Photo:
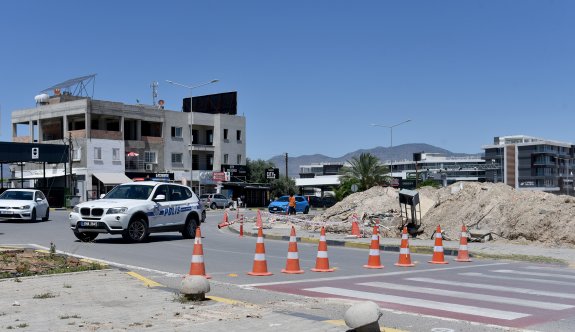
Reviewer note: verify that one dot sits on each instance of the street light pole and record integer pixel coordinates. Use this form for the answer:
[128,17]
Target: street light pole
[191,123]
[391,142]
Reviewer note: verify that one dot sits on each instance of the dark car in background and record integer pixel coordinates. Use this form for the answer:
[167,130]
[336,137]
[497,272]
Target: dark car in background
[321,202]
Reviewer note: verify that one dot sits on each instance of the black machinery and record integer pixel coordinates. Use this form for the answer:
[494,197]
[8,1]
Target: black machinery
[409,203]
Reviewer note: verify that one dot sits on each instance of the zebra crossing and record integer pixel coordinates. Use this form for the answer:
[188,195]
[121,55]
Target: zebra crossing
[517,297]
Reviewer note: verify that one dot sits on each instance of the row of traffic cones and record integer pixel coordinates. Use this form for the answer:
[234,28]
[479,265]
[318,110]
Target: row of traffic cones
[259,268]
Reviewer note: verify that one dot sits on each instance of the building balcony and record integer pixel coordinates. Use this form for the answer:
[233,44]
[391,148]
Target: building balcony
[21,139]
[153,139]
[106,134]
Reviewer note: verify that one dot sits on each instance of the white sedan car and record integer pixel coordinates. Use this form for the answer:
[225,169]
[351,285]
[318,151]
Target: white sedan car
[24,204]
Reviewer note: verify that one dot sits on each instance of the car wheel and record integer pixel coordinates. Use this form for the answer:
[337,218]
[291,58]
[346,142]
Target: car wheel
[47,216]
[189,231]
[85,237]
[33,216]
[137,230]
[306,211]
[213,206]
[204,216]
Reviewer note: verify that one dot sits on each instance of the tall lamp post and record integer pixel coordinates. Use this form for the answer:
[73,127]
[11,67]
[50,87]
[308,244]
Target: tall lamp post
[190,123]
[391,142]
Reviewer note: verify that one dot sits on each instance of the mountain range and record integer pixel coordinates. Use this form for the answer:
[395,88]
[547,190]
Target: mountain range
[396,153]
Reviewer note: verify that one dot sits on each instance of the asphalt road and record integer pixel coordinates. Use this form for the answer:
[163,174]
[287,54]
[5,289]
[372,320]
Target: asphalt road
[508,294]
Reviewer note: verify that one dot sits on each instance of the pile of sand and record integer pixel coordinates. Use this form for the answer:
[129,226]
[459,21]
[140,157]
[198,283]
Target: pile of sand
[519,216]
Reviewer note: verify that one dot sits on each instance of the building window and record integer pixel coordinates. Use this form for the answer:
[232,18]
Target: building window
[210,162]
[176,132]
[77,154]
[150,157]
[239,136]
[116,154]
[226,158]
[97,153]
[225,135]
[196,136]
[239,159]
[210,137]
[176,158]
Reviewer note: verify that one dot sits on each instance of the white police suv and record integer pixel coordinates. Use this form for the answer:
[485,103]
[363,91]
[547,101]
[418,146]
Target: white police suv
[137,209]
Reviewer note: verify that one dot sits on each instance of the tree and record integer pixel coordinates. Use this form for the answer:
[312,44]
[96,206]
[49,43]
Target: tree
[257,170]
[282,186]
[344,188]
[366,171]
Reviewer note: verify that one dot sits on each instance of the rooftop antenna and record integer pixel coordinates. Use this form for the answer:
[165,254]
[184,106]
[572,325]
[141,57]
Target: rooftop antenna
[154,87]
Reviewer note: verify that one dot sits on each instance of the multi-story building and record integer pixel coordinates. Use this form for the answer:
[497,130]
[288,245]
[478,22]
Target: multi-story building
[525,162]
[113,141]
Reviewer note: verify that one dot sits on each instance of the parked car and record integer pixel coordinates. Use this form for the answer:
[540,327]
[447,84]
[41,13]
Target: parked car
[215,201]
[281,204]
[24,204]
[321,202]
[137,209]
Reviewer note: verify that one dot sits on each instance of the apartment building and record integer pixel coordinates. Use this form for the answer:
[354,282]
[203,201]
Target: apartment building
[531,163]
[113,142]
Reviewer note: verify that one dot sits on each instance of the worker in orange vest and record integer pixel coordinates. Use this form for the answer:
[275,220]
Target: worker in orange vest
[291,209]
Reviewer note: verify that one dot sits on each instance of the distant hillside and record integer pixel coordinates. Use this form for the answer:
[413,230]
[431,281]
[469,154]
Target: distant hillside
[400,152]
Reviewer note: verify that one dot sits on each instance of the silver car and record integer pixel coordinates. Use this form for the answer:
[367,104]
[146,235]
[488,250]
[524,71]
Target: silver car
[215,201]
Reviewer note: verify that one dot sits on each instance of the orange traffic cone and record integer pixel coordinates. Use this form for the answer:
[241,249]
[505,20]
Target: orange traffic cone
[260,267]
[241,228]
[404,255]
[374,261]
[197,267]
[259,223]
[225,221]
[355,226]
[462,253]
[438,257]
[292,263]
[322,261]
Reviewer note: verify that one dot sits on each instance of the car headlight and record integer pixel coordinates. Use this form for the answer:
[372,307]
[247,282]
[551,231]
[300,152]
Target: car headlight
[118,210]
[76,209]
[25,207]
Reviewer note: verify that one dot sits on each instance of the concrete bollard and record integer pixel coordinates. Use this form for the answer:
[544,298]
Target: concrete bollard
[363,317]
[194,287]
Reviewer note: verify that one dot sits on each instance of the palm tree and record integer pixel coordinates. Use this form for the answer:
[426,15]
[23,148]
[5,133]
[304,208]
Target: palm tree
[366,170]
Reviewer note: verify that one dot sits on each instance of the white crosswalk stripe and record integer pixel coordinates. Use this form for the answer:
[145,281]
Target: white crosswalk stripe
[496,288]
[542,281]
[537,274]
[467,295]
[420,303]
[546,268]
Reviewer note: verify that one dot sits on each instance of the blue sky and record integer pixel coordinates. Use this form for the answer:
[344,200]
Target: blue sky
[312,75]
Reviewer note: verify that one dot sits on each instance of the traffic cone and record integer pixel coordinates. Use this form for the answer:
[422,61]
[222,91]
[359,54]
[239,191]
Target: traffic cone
[197,267]
[404,255]
[322,261]
[355,226]
[260,267]
[241,228]
[292,263]
[374,261]
[225,221]
[462,253]
[438,257]
[259,223]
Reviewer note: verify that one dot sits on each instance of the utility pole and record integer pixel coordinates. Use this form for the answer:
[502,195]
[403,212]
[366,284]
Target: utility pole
[70,157]
[287,165]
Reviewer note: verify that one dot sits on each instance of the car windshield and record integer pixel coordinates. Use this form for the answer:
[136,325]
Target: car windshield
[204,196]
[283,199]
[130,191]
[18,195]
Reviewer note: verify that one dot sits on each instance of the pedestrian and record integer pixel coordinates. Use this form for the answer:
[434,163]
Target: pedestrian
[291,209]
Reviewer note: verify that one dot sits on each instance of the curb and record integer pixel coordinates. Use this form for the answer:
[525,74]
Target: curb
[351,244]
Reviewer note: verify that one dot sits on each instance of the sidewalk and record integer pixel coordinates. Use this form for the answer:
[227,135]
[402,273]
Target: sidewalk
[488,249]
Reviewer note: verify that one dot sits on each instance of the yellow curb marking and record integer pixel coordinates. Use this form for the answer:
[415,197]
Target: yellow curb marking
[341,322]
[232,275]
[146,281]
[224,300]
[357,245]
[42,251]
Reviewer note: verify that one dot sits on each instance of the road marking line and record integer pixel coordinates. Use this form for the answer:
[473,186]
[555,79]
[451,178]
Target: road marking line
[420,303]
[466,295]
[543,281]
[547,268]
[537,274]
[494,287]
[147,282]
[370,275]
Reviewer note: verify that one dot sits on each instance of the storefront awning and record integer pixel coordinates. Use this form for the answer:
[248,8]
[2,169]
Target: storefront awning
[112,178]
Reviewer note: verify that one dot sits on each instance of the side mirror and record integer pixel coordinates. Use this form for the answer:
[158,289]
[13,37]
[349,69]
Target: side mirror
[160,198]
[38,199]
[102,195]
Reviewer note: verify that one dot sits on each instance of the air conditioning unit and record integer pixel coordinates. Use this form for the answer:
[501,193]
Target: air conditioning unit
[149,167]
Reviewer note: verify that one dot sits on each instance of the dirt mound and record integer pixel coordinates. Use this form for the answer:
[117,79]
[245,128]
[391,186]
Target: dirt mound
[518,216]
